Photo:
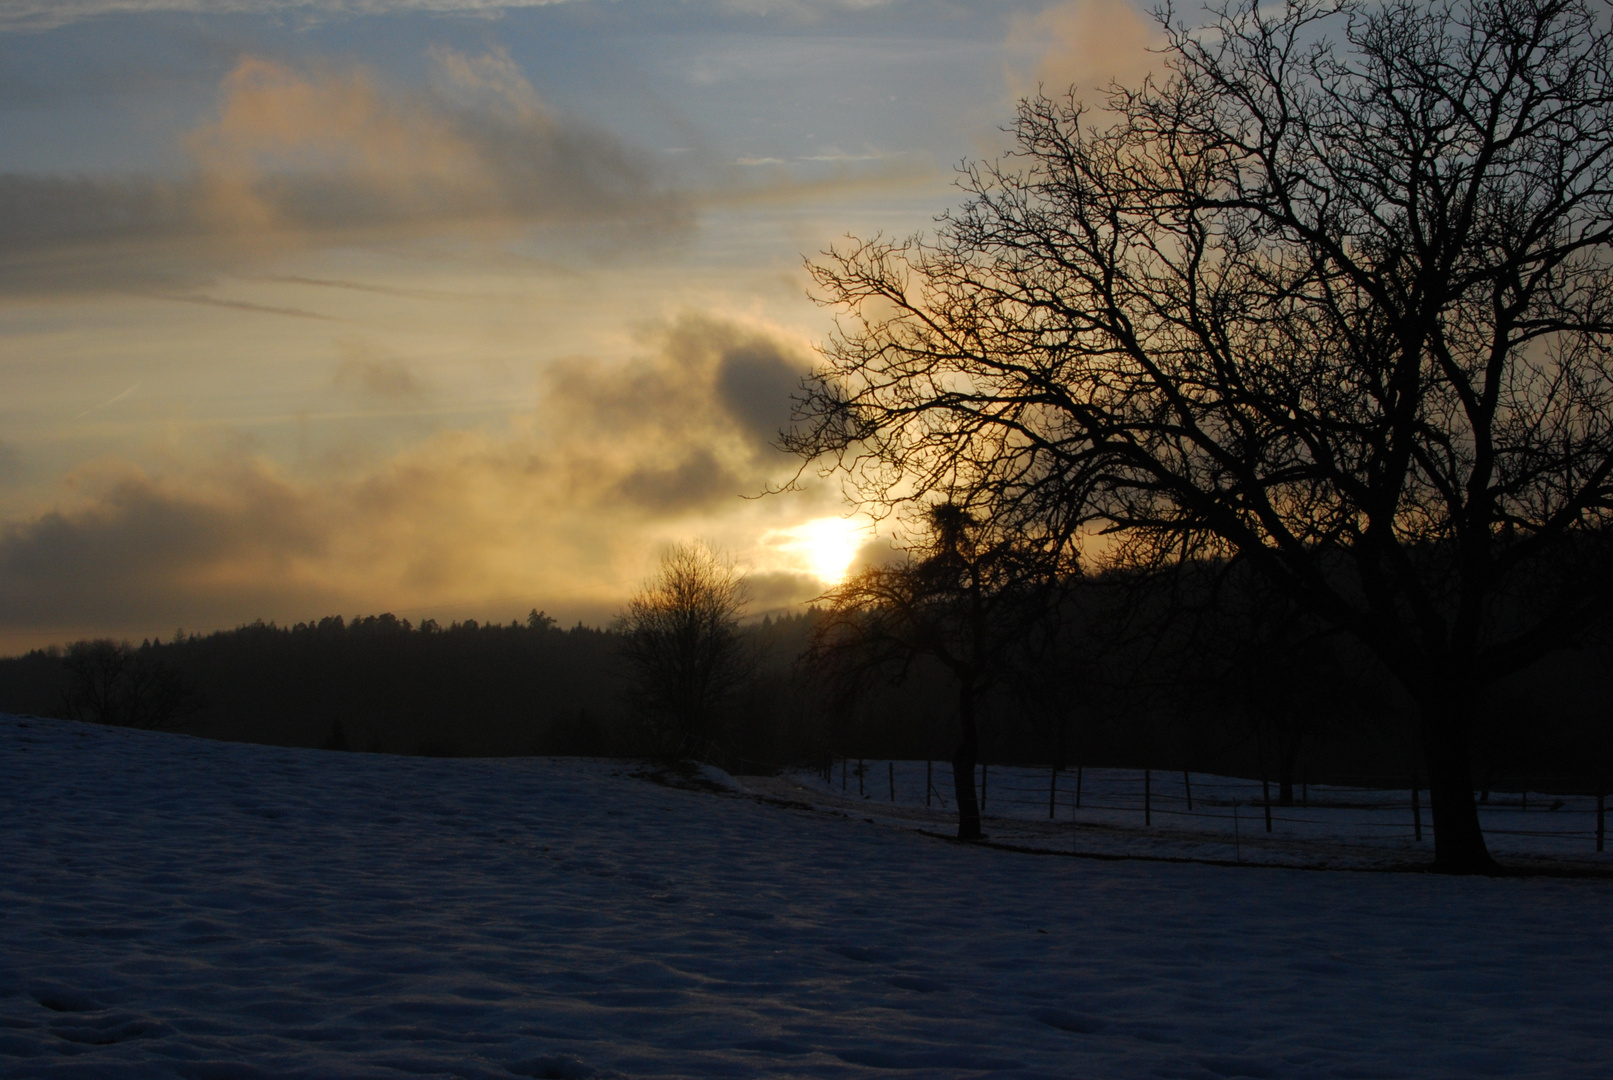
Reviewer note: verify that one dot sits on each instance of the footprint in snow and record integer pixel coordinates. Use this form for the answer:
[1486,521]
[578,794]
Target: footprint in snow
[553,1067]
[1075,1023]
[61,999]
[867,954]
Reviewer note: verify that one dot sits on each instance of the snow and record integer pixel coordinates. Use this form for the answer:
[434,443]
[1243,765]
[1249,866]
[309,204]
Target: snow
[173,907]
[1334,827]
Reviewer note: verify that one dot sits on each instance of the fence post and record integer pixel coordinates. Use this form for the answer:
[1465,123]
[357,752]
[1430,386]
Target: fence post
[1148,797]
[1187,784]
[1416,809]
[1601,816]
[861,772]
[1265,797]
[982,787]
[892,765]
[1053,793]
[929,780]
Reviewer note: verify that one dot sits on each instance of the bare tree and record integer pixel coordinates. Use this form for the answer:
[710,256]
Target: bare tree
[967,601]
[112,682]
[1333,295]
[680,637]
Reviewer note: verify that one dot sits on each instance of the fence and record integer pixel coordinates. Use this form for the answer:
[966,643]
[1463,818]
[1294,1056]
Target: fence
[1228,808]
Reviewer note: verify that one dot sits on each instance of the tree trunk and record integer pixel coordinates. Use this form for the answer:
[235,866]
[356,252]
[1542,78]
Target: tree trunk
[963,765]
[1459,846]
[1288,737]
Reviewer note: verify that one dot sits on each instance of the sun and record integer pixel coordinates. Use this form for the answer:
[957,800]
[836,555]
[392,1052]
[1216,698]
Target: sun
[827,546]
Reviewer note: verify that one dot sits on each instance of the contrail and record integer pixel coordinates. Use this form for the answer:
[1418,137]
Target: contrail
[243,305]
[108,401]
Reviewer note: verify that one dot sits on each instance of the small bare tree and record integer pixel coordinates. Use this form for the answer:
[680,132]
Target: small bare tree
[112,682]
[968,600]
[681,640]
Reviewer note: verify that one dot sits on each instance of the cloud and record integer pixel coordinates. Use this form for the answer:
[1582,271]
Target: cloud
[556,509]
[363,367]
[685,425]
[47,14]
[877,552]
[1084,44]
[459,515]
[777,589]
[308,155]
[333,149]
[12,465]
[755,380]
[696,478]
[154,551]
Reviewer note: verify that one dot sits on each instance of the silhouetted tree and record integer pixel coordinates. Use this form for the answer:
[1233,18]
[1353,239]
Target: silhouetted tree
[681,641]
[112,682]
[968,600]
[1249,649]
[1333,294]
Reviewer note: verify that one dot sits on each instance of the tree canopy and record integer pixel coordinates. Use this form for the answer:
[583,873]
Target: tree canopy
[1331,295]
[681,641]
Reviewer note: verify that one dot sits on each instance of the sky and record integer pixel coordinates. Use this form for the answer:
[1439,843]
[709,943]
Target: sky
[453,308]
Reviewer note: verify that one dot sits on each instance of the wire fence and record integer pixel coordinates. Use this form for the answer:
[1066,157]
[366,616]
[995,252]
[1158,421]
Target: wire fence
[1223,808]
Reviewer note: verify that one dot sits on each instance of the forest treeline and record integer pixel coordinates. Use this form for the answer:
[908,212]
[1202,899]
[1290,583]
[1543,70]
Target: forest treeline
[1219,687]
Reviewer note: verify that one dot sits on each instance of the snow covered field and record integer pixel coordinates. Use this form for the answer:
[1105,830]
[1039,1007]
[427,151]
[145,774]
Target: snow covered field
[171,907]
[1202,816]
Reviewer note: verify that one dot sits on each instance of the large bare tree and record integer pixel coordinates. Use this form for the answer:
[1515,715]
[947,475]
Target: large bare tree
[1333,295]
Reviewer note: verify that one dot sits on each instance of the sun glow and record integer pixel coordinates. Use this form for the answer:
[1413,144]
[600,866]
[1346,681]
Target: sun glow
[826,546]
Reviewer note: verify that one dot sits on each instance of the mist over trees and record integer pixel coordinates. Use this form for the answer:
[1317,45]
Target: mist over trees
[1331,297]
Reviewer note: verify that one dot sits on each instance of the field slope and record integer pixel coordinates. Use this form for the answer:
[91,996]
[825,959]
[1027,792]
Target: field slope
[174,907]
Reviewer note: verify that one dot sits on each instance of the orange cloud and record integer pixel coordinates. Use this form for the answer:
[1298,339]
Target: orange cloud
[276,124]
[331,148]
[1084,44]
[557,509]
[301,156]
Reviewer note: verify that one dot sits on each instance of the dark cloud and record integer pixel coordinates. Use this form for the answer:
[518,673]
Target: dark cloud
[697,480]
[461,515]
[302,156]
[876,552]
[780,589]
[143,553]
[46,211]
[756,379]
[687,425]
[705,376]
